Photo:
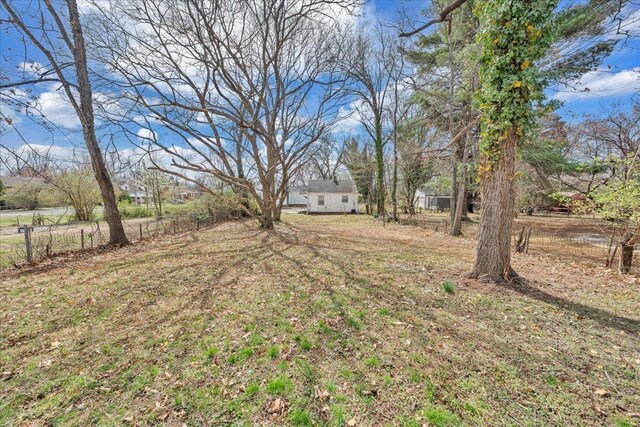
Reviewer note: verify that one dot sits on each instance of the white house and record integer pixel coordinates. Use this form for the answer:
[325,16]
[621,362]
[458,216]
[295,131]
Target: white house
[136,191]
[332,196]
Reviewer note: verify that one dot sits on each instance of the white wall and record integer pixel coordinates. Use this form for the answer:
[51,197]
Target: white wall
[332,203]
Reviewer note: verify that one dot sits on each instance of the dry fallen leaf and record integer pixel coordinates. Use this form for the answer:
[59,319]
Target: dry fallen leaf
[277,406]
[351,422]
[601,392]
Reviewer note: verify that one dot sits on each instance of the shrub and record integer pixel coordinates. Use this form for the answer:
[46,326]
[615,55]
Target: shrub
[134,211]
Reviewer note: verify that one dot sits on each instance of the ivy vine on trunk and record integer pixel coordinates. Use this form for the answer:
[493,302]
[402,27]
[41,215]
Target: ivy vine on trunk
[513,35]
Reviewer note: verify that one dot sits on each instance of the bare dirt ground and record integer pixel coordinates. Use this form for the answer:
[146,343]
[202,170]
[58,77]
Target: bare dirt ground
[325,321]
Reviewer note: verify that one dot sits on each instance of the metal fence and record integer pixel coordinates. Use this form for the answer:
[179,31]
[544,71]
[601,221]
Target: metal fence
[36,243]
[593,247]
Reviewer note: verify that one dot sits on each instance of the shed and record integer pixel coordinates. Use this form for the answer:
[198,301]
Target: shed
[332,196]
[431,200]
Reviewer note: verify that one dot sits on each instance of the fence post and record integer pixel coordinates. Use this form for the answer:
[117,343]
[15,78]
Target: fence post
[27,243]
[18,218]
[82,238]
[140,227]
[197,223]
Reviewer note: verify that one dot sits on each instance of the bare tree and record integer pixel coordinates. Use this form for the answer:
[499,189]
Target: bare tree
[201,71]
[60,40]
[372,63]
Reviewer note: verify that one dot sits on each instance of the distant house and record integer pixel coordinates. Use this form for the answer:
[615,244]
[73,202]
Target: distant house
[136,191]
[332,196]
[17,182]
[430,200]
[181,191]
[296,196]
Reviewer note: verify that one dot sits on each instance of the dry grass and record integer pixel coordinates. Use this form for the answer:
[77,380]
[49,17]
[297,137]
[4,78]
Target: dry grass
[326,321]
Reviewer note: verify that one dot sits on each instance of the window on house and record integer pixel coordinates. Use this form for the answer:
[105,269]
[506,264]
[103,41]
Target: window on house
[320,200]
[345,199]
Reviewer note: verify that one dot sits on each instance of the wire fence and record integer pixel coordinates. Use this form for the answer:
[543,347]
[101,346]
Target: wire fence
[598,248]
[33,243]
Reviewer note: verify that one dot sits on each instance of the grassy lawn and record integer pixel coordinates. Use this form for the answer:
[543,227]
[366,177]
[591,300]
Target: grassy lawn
[329,320]
[12,221]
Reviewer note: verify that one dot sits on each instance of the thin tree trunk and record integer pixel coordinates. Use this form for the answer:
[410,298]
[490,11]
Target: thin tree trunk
[111,214]
[456,225]
[454,154]
[379,169]
[493,259]
[394,188]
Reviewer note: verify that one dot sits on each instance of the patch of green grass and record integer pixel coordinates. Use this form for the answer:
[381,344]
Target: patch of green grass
[430,391]
[472,408]
[623,422]
[372,362]
[256,340]
[245,353]
[304,343]
[551,380]
[232,359]
[324,328]
[448,287]
[308,373]
[211,352]
[300,417]
[352,323]
[388,381]
[384,311]
[251,390]
[338,415]
[440,417]
[273,352]
[414,375]
[408,422]
[279,385]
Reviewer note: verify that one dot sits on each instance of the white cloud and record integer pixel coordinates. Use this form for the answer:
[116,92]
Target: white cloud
[53,152]
[146,134]
[600,84]
[56,108]
[32,67]
[8,115]
[347,120]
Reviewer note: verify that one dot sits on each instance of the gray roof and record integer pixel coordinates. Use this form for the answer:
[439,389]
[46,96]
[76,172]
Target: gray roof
[432,192]
[331,186]
[133,186]
[298,189]
[21,181]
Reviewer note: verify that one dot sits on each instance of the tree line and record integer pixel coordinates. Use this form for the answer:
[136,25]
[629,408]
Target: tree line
[253,93]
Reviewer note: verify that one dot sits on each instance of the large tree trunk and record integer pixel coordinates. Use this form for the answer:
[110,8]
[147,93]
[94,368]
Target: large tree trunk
[626,251]
[111,214]
[266,220]
[493,260]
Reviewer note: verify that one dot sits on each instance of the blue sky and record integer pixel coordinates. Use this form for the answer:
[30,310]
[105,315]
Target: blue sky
[617,80]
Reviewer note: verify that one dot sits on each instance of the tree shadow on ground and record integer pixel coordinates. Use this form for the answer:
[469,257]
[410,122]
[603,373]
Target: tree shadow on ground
[532,289]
